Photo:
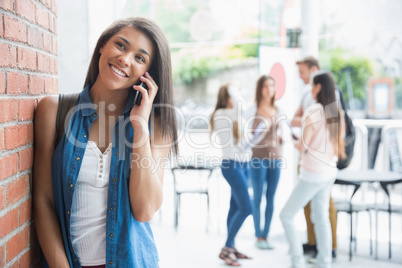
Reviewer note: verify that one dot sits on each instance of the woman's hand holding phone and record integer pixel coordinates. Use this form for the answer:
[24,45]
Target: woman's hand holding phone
[294,136]
[143,101]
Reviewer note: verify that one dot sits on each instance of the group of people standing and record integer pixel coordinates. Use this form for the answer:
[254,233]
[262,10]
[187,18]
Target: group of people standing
[320,144]
[92,202]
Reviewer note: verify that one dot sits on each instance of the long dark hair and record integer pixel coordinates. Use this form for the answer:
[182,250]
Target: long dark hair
[222,103]
[326,97]
[160,70]
[258,90]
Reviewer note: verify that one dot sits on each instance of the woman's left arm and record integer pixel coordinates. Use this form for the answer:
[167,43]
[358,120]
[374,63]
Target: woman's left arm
[146,176]
[149,156]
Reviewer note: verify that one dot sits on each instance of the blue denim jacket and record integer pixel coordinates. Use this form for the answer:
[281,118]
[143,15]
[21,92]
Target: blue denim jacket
[129,243]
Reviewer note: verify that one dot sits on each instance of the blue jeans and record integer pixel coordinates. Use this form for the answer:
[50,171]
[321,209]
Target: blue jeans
[264,171]
[319,194]
[236,174]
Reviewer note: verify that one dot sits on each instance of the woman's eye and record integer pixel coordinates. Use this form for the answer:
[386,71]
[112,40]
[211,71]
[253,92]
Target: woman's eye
[120,45]
[140,58]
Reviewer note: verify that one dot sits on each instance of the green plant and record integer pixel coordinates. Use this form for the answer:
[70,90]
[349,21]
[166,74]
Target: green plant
[247,50]
[189,68]
[398,93]
[344,66]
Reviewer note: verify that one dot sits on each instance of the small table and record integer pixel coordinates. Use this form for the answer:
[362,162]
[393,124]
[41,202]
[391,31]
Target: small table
[178,192]
[357,177]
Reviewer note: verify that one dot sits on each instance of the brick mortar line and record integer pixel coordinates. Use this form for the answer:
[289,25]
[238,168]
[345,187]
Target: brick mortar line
[23,71]
[43,5]
[23,97]
[22,45]
[10,208]
[17,230]
[14,177]
[19,255]
[6,153]
[13,151]
[15,123]
[26,21]
[19,97]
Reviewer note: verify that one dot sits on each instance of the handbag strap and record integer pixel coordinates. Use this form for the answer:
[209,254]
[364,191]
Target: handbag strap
[66,103]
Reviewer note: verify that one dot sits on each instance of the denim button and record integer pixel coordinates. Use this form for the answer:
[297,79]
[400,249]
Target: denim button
[84,135]
[78,159]
[114,180]
[117,153]
[71,185]
[110,262]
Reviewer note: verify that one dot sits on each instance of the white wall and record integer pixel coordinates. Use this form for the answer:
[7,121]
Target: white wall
[80,23]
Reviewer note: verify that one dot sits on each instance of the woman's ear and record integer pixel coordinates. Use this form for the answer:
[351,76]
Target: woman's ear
[101,48]
[318,88]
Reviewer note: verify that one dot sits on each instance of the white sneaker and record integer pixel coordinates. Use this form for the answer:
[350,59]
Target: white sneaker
[269,245]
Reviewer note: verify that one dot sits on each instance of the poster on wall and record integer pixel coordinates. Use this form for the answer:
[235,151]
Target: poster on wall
[381,97]
[280,63]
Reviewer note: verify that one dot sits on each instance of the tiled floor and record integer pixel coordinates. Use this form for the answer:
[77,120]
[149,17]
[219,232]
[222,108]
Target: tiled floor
[192,245]
[188,248]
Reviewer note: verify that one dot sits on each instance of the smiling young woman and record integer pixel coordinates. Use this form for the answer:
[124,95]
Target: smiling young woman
[92,201]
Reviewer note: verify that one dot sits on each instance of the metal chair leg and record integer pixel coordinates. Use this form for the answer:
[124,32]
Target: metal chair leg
[207,211]
[371,234]
[355,238]
[351,236]
[389,241]
[176,210]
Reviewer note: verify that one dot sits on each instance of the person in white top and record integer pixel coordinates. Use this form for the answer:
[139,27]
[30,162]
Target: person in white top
[308,67]
[320,144]
[226,127]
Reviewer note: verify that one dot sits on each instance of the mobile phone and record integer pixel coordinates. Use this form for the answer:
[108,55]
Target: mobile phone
[138,95]
[294,136]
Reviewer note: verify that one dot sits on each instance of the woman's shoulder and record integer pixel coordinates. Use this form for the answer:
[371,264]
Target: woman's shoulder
[315,113]
[45,123]
[224,111]
[46,111]
[48,103]
[314,107]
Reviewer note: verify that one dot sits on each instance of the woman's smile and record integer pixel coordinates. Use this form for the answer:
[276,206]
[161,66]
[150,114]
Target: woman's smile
[118,71]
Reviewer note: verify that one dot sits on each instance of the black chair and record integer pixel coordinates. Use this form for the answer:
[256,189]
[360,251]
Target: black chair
[178,191]
[348,207]
[389,208]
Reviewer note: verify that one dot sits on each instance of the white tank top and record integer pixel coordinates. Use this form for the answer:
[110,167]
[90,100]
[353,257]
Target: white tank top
[88,212]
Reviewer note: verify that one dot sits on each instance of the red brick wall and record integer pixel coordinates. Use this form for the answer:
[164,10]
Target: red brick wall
[28,72]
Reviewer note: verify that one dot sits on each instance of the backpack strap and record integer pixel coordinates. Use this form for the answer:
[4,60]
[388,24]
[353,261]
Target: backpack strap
[66,103]
[342,100]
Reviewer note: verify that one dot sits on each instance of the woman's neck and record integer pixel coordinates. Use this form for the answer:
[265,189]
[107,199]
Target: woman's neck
[266,108]
[110,102]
